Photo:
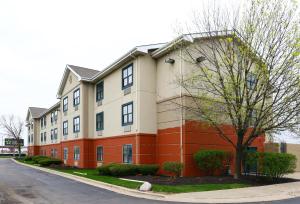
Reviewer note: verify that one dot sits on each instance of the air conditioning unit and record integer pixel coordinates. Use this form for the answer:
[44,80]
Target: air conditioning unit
[76,135]
[99,133]
[127,91]
[99,103]
[65,113]
[76,108]
[127,128]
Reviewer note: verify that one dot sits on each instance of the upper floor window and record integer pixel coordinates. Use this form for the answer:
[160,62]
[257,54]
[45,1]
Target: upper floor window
[45,121]
[45,136]
[127,76]
[76,124]
[65,128]
[100,121]
[251,81]
[55,133]
[42,137]
[65,104]
[127,153]
[127,114]
[52,135]
[76,97]
[99,153]
[99,91]
[42,122]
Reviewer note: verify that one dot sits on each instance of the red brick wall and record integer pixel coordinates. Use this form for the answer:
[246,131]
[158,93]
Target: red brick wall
[196,136]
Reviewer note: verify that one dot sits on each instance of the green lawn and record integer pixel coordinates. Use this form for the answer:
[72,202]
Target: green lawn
[93,174]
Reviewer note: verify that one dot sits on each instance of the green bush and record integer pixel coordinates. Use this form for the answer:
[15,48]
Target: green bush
[104,170]
[28,158]
[173,167]
[276,165]
[36,159]
[211,160]
[123,170]
[49,161]
[148,169]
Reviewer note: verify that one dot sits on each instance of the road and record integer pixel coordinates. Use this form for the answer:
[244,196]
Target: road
[22,185]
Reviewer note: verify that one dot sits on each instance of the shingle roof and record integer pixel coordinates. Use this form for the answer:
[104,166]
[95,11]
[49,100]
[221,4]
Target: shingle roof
[36,112]
[84,73]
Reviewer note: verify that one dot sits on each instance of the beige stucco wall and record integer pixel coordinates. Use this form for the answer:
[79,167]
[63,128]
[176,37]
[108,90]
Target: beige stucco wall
[112,103]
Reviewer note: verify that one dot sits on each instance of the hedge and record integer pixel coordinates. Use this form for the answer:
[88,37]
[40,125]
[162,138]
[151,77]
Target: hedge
[49,162]
[127,169]
[36,159]
[210,161]
[272,165]
[173,167]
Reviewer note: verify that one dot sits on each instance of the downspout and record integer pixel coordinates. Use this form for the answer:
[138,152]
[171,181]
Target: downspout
[136,112]
[181,113]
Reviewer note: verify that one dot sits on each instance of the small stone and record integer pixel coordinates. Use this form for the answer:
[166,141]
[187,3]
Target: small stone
[146,186]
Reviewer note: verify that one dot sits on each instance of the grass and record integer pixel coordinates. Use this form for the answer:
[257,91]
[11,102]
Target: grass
[93,174]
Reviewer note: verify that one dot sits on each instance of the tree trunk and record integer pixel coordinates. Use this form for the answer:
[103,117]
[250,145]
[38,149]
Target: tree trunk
[238,163]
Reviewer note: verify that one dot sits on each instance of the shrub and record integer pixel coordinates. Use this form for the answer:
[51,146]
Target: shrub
[148,169]
[28,158]
[49,161]
[36,159]
[211,160]
[104,170]
[173,167]
[276,165]
[123,170]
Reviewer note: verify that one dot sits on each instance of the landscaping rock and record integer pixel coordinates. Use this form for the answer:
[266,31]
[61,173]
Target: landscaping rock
[146,186]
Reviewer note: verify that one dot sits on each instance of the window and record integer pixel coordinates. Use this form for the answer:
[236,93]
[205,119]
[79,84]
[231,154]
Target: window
[127,114]
[76,97]
[45,136]
[99,91]
[42,137]
[42,122]
[127,76]
[65,153]
[55,115]
[99,153]
[55,134]
[65,128]
[76,124]
[127,153]
[100,121]
[52,135]
[28,138]
[54,153]
[251,81]
[31,138]
[253,118]
[45,121]
[52,117]
[76,153]
[65,104]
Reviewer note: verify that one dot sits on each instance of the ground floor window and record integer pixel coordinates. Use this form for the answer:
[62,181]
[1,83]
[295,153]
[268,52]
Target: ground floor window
[127,153]
[76,153]
[54,153]
[99,153]
[65,153]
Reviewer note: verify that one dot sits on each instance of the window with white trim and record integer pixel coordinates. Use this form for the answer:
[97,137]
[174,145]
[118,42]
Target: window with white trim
[65,104]
[65,128]
[65,153]
[100,91]
[99,153]
[127,114]
[127,153]
[76,153]
[127,76]
[76,97]
[76,124]
[99,121]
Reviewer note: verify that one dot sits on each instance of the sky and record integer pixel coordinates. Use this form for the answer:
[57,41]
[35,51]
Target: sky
[38,38]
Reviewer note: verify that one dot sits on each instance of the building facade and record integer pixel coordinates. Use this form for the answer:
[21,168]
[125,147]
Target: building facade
[124,114]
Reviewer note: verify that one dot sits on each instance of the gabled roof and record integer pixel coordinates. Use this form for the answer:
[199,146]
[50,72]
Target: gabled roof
[188,38]
[35,112]
[138,50]
[83,73]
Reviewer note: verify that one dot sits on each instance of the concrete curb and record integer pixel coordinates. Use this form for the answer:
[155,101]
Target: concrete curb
[242,195]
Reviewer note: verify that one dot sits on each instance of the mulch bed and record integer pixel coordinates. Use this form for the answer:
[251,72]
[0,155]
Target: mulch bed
[251,180]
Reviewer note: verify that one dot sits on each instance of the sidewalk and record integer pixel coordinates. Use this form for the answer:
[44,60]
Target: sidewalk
[250,194]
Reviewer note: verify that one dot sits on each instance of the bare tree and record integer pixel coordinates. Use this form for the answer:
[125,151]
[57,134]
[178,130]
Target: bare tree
[12,127]
[247,74]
